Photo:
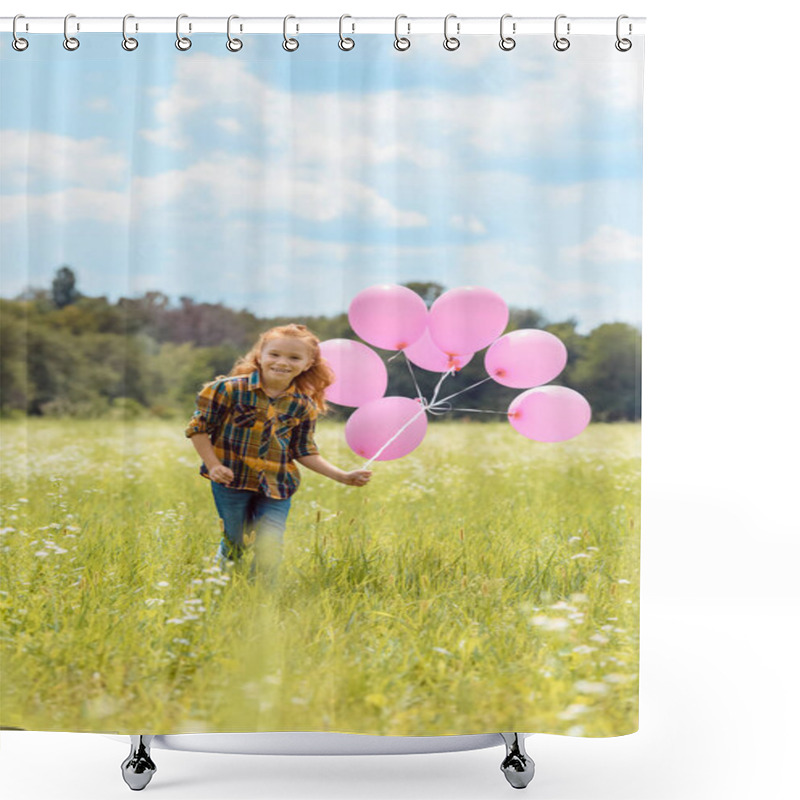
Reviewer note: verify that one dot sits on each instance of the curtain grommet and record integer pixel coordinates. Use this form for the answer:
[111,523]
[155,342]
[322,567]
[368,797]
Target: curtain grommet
[401,43]
[451,42]
[289,44]
[19,44]
[345,42]
[234,45]
[70,42]
[507,43]
[623,45]
[128,42]
[560,43]
[183,43]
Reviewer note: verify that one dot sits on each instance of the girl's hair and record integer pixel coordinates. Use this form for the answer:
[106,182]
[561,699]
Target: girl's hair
[312,382]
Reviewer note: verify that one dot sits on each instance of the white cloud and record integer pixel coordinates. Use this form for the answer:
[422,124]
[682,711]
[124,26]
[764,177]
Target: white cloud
[607,245]
[67,205]
[26,156]
[165,137]
[99,104]
[468,223]
[224,186]
[229,124]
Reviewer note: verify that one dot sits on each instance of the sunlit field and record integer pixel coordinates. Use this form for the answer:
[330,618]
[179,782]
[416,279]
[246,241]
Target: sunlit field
[483,583]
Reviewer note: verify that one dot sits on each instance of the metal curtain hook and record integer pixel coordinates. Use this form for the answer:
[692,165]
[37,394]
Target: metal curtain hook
[70,42]
[561,43]
[401,43]
[290,45]
[19,43]
[182,42]
[128,43]
[451,42]
[623,45]
[506,42]
[234,45]
[345,43]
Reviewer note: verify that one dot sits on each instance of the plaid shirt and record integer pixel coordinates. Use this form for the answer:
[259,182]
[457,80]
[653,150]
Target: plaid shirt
[255,435]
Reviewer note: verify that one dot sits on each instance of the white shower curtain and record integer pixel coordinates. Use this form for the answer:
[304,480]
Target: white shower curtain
[321,384]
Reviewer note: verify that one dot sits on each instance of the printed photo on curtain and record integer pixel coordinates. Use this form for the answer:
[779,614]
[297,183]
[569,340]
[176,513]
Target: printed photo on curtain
[320,385]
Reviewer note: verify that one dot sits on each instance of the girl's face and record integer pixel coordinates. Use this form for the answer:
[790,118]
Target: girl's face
[283,359]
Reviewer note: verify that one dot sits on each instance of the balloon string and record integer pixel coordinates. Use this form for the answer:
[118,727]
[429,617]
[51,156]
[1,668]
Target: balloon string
[413,376]
[425,407]
[464,390]
[480,411]
[367,463]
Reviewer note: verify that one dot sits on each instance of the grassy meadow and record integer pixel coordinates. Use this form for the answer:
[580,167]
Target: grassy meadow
[483,583]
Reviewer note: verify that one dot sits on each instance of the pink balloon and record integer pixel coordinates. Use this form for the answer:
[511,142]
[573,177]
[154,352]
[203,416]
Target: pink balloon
[360,374]
[372,425]
[388,316]
[424,353]
[467,319]
[549,413]
[526,358]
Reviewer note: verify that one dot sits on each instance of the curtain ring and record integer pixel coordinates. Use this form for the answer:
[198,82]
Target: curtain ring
[290,45]
[450,42]
[234,45]
[561,43]
[70,42]
[128,43]
[181,42]
[401,43]
[506,42]
[345,43]
[19,44]
[623,45]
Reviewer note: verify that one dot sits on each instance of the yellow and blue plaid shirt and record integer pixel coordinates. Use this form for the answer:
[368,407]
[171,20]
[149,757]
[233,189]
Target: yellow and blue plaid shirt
[255,435]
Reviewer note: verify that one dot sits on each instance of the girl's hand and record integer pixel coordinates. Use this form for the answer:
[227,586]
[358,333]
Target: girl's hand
[358,477]
[221,474]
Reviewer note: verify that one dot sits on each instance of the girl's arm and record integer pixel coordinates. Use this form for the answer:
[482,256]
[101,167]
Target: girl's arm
[357,477]
[216,469]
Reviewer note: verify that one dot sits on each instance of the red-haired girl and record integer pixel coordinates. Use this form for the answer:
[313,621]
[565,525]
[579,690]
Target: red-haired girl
[250,427]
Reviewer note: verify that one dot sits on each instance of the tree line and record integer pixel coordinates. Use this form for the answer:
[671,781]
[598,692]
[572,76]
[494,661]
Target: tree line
[66,354]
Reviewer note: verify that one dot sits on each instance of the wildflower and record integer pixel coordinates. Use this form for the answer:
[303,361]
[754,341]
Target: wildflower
[616,677]
[588,687]
[551,624]
[573,711]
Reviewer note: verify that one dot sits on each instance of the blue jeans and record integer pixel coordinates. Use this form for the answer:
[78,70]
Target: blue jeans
[251,519]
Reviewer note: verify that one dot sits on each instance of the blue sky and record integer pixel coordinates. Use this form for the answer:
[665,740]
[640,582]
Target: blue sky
[286,183]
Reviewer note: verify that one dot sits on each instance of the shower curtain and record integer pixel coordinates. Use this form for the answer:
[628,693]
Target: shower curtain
[321,384]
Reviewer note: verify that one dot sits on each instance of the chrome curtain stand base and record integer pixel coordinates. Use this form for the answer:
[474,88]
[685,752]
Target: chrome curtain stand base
[517,766]
[139,768]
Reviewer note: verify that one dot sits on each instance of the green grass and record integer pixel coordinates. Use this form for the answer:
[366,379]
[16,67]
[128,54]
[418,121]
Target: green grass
[483,583]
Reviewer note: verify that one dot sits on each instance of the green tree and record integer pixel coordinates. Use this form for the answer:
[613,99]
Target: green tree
[609,374]
[64,290]
[427,290]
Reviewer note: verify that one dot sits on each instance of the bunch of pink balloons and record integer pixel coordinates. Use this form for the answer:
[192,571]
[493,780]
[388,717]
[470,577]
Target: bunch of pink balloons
[460,322]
